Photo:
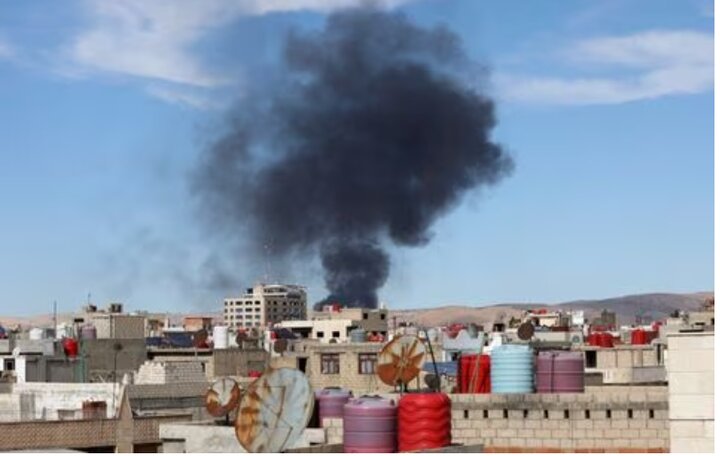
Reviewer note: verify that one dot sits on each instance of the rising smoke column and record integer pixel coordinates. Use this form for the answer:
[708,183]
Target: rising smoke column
[368,136]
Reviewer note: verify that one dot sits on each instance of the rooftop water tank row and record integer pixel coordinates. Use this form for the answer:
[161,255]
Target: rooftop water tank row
[601,339]
[370,425]
[560,372]
[642,337]
[511,369]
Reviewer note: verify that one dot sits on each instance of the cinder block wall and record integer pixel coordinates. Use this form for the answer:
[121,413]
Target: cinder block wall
[601,419]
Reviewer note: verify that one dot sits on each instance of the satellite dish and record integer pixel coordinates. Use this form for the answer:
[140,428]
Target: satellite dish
[222,397]
[280,345]
[400,360]
[200,339]
[433,382]
[274,411]
[526,331]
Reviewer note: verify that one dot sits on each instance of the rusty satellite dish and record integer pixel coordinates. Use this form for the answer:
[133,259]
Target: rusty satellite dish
[222,397]
[526,331]
[274,411]
[400,360]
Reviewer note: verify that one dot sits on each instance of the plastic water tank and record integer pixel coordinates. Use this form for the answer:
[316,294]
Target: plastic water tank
[474,374]
[358,335]
[511,369]
[88,332]
[36,333]
[220,336]
[331,402]
[70,347]
[605,340]
[560,372]
[370,425]
[424,421]
[639,337]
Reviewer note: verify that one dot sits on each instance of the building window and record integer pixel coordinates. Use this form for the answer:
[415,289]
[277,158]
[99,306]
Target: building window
[382,316]
[367,363]
[336,333]
[330,363]
[365,315]
[319,334]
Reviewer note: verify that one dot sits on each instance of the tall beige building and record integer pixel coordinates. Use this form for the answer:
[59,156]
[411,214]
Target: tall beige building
[264,304]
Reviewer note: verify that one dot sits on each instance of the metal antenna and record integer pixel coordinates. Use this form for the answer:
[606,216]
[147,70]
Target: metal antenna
[55,318]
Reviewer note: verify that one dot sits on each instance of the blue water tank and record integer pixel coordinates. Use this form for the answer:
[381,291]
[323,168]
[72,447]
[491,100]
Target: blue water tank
[511,369]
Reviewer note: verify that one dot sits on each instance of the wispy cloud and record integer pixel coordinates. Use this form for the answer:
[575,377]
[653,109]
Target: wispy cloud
[155,40]
[184,97]
[661,63]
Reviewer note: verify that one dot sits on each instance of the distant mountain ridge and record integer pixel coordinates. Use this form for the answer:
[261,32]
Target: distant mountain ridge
[650,305]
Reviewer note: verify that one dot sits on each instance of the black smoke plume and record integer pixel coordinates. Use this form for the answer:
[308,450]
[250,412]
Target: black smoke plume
[368,135]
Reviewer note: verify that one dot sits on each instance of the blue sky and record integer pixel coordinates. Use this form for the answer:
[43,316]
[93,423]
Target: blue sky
[606,107]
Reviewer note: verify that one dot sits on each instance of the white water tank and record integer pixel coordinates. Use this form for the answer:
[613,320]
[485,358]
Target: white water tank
[36,334]
[220,337]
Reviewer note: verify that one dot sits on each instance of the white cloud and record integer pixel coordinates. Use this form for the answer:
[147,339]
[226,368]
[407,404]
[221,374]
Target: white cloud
[184,97]
[155,39]
[663,63]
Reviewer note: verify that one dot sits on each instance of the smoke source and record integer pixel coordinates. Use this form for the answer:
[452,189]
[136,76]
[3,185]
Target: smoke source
[368,135]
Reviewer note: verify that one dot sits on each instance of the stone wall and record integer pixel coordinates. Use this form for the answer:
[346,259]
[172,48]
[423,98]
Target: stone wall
[162,372]
[601,419]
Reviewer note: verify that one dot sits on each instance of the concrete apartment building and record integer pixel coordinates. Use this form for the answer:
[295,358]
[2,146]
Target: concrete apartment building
[264,304]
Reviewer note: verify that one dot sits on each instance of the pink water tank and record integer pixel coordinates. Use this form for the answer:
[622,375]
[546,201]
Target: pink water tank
[331,402]
[370,425]
[560,372]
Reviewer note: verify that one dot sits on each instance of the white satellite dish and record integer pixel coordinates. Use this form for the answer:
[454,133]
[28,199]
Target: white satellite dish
[274,411]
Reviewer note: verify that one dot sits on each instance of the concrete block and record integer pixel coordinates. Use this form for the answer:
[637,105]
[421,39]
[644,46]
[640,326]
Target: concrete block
[690,361]
[560,433]
[550,443]
[516,414]
[517,442]
[506,433]
[584,424]
[691,445]
[682,343]
[595,433]
[631,433]
[486,432]
[462,424]
[691,406]
[533,443]
[532,424]
[691,428]
[585,443]
[500,442]
[657,424]
[648,433]
[619,424]
[495,414]
[612,433]
[498,424]
[691,383]
[516,424]
[525,433]
[637,424]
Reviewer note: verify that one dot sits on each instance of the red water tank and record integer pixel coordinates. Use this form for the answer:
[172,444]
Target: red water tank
[254,374]
[474,374]
[606,340]
[424,421]
[70,347]
[593,339]
[638,337]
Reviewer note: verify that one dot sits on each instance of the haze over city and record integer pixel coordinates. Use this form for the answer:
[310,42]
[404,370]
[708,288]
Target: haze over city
[108,110]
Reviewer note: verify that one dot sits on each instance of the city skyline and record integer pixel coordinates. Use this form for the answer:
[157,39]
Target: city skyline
[606,110]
